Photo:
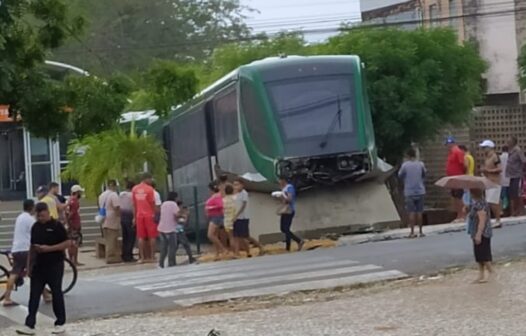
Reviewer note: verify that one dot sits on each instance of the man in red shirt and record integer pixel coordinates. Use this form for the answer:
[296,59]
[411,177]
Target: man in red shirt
[144,204]
[456,166]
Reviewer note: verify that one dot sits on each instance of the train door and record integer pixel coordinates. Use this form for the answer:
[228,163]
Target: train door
[227,151]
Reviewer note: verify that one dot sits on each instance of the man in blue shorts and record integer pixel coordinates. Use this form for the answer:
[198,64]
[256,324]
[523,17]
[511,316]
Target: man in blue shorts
[412,174]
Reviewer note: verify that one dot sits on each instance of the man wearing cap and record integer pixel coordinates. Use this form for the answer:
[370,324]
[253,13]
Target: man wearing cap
[492,170]
[74,223]
[44,196]
[456,166]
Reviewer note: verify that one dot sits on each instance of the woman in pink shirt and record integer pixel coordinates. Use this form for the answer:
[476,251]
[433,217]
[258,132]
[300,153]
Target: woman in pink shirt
[215,213]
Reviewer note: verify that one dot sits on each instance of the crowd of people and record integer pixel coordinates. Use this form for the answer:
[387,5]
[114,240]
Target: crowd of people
[139,213]
[473,206]
[227,210]
[50,228]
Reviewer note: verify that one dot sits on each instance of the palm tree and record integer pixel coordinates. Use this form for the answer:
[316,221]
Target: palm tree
[114,154]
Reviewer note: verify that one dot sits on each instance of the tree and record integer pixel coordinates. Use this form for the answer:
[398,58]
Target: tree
[125,35]
[96,103]
[522,68]
[418,82]
[28,30]
[113,154]
[168,84]
[231,56]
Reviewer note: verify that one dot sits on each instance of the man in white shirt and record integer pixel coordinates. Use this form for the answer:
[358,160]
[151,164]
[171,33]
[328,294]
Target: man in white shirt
[20,249]
[158,203]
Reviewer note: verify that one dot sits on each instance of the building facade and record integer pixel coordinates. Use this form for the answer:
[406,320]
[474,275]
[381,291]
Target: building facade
[498,29]
[27,162]
[402,14]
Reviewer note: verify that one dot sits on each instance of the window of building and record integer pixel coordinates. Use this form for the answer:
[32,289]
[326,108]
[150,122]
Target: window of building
[226,130]
[433,15]
[453,13]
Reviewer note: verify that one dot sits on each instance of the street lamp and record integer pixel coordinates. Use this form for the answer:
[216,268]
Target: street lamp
[68,66]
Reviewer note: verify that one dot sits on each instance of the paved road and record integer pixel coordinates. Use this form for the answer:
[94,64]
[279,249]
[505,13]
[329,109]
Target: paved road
[185,285]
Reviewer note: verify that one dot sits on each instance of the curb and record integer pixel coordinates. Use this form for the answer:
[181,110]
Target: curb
[378,237]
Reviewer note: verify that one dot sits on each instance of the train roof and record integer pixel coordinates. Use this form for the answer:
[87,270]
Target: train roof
[262,64]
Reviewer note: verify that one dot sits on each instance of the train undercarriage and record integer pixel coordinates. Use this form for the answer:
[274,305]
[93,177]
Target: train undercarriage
[324,170]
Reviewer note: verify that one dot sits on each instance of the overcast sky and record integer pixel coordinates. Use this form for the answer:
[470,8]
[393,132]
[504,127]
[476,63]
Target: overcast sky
[276,15]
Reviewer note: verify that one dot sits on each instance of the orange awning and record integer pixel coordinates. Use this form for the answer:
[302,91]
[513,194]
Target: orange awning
[4,114]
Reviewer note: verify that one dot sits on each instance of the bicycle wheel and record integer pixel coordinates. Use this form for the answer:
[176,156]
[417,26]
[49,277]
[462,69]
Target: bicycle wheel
[70,277]
[4,276]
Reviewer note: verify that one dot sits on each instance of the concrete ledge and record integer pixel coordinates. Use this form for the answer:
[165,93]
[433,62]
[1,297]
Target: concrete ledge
[271,238]
[429,230]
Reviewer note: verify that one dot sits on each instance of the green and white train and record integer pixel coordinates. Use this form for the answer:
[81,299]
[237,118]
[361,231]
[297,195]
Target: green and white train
[304,117]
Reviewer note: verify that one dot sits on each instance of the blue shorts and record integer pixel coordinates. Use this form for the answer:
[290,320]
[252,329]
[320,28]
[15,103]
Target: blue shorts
[466,198]
[414,204]
[217,220]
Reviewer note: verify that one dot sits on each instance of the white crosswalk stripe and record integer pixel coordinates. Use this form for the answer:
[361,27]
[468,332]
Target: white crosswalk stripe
[270,275]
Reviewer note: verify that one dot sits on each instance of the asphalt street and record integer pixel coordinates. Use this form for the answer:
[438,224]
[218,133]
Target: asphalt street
[147,291]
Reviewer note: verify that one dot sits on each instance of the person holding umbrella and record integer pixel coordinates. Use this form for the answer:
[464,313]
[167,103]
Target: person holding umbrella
[480,230]
[479,220]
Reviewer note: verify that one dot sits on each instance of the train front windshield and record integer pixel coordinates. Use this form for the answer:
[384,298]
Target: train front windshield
[314,111]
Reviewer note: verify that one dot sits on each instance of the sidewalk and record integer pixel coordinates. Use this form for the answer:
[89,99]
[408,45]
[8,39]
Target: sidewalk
[441,306]
[429,230]
[95,266]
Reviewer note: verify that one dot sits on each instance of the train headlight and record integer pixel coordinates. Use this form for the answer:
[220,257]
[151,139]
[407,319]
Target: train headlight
[345,162]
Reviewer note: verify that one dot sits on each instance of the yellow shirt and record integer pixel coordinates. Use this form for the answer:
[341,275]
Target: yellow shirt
[471,164]
[229,208]
[52,206]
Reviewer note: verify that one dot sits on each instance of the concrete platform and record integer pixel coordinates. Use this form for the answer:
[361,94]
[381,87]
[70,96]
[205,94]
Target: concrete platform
[361,207]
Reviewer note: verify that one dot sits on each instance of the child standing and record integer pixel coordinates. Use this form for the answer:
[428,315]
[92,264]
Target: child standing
[242,220]
[229,205]
[182,239]
[74,223]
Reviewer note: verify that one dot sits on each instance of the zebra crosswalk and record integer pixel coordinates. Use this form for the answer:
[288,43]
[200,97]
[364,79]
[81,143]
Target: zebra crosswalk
[269,275]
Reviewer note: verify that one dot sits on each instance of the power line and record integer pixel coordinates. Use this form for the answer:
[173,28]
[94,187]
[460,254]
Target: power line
[312,31]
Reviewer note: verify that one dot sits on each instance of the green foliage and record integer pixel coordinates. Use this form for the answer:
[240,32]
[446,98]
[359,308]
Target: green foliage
[126,35]
[418,82]
[28,30]
[113,154]
[168,84]
[522,67]
[96,103]
[231,56]
[42,105]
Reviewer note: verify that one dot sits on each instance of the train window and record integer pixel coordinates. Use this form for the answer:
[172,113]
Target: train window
[225,119]
[320,105]
[255,119]
[188,135]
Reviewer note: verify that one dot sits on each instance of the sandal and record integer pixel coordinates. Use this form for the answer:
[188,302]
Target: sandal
[9,304]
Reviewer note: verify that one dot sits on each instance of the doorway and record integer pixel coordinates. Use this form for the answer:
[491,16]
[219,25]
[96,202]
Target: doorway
[12,164]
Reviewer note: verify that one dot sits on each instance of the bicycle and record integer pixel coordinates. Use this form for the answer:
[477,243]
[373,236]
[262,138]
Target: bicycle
[68,282]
